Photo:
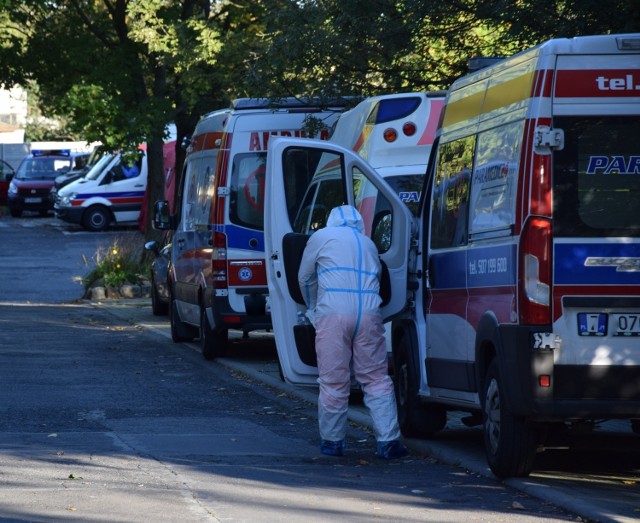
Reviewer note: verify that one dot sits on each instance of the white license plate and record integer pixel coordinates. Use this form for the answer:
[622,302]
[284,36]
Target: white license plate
[33,200]
[625,324]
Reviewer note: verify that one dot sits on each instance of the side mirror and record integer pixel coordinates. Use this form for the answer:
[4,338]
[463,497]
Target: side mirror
[161,216]
[152,246]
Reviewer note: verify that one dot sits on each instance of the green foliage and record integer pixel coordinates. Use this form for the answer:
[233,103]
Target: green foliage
[117,264]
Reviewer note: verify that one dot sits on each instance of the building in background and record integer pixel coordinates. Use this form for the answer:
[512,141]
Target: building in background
[13,115]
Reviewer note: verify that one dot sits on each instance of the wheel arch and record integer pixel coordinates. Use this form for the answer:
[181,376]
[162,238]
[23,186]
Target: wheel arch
[487,347]
[406,329]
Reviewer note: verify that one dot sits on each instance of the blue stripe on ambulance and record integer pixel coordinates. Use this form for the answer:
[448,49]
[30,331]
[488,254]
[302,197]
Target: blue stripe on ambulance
[122,194]
[243,238]
[597,263]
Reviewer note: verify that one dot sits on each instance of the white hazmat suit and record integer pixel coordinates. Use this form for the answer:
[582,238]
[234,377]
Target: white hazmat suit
[339,278]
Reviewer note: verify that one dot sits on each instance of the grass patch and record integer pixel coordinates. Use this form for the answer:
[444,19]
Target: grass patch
[120,263]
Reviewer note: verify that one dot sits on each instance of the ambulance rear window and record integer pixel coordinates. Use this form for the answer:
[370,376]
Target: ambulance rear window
[596,177]
[247,190]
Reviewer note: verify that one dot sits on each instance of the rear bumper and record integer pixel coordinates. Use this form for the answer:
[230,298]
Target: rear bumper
[575,391]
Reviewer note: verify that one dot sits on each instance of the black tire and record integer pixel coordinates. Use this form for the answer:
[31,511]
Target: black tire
[180,331]
[510,443]
[214,341]
[416,419]
[96,218]
[15,213]
[158,307]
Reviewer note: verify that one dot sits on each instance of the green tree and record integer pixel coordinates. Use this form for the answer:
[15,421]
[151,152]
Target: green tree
[120,70]
[368,47]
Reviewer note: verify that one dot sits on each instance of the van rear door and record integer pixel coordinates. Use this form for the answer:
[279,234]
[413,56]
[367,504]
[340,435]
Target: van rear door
[596,226]
[305,180]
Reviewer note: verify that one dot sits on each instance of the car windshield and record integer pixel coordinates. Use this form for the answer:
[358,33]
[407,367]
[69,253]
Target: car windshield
[43,168]
[97,169]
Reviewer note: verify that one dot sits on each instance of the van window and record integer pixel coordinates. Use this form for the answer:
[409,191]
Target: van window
[375,210]
[247,190]
[408,188]
[451,193]
[596,177]
[190,202]
[204,191]
[495,179]
[313,186]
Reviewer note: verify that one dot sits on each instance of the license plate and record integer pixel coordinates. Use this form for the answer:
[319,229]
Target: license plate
[33,200]
[592,324]
[625,324]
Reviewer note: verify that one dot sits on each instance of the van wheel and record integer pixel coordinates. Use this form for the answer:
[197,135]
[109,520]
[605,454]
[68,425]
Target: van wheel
[180,331]
[510,443]
[96,219]
[16,213]
[214,341]
[415,418]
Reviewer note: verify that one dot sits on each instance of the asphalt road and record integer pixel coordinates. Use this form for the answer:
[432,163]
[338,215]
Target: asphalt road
[103,418]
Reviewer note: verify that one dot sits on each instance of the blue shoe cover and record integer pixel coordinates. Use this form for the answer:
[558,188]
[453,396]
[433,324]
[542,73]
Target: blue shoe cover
[391,450]
[332,448]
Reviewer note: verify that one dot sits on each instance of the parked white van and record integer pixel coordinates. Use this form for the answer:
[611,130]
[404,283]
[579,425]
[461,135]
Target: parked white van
[514,294]
[394,133]
[111,193]
[217,277]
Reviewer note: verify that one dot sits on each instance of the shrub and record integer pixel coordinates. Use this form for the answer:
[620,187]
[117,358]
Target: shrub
[117,264]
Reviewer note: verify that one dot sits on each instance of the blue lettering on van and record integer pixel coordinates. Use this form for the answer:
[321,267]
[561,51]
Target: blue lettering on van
[613,164]
[409,196]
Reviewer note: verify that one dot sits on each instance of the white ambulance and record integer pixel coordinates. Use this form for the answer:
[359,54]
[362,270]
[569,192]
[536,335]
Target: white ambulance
[217,277]
[515,294]
[394,133]
[111,193]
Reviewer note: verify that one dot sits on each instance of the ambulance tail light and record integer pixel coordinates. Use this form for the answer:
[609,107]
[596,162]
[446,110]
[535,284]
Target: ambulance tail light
[409,129]
[535,272]
[390,135]
[219,260]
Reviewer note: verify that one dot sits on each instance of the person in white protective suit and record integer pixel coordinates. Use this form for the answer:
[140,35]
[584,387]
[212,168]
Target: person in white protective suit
[339,278]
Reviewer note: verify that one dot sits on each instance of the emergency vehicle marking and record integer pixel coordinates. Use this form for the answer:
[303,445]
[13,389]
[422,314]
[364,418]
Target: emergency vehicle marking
[409,196]
[499,96]
[119,197]
[240,238]
[259,141]
[245,274]
[597,83]
[616,164]
[604,263]
[429,133]
[491,266]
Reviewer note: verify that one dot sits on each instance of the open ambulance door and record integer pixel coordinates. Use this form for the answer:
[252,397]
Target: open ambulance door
[305,180]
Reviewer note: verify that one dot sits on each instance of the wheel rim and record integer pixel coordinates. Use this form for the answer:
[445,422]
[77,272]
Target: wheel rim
[492,416]
[97,220]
